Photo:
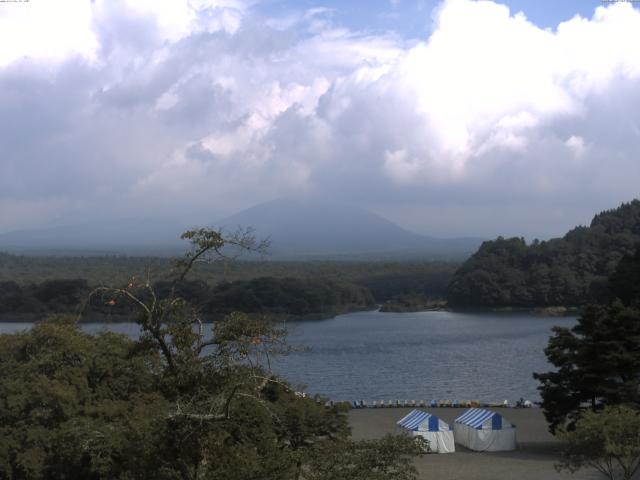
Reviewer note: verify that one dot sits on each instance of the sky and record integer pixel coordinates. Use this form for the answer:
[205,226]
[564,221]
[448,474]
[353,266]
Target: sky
[450,118]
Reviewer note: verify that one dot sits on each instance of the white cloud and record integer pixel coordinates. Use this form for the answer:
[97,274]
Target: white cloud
[400,167]
[184,102]
[576,146]
[488,80]
[43,30]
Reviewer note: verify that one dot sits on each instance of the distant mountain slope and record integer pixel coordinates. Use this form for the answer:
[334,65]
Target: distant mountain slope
[133,236]
[569,271]
[298,229]
[303,228]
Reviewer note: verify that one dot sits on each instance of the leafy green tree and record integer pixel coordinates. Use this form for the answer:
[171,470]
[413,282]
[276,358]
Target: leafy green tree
[187,401]
[74,405]
[608,441]
[388,458]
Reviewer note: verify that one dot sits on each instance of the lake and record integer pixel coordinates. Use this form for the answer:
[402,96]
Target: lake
[424,355]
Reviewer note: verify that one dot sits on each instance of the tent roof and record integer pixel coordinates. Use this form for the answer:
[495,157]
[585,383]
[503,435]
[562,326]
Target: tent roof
[475,418]
[415,418]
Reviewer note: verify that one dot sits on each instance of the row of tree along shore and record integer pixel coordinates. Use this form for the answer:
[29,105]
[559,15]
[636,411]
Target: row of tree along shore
[31,287]
[282,297]
[555,277]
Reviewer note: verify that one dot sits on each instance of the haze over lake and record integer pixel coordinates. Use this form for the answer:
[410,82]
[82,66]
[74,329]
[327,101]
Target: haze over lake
[424,355]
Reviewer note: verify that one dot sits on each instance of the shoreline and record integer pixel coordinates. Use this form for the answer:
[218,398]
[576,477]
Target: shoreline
[33,317]
[424,404]
[96,317]
[552,311]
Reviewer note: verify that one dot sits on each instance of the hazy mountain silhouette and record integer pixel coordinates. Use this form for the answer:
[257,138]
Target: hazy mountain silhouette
[297,228]
[306,228]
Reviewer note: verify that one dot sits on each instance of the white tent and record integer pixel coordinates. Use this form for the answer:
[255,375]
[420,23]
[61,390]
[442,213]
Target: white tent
[431,428]
[484,431]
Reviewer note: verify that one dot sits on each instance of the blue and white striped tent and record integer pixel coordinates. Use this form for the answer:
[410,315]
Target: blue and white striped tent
[484,430]
[479,418]
[430,427]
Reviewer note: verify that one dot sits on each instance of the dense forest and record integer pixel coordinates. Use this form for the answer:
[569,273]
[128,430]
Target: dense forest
[567,271]
[385,279]
[264,295]
[275,296]
[36,286]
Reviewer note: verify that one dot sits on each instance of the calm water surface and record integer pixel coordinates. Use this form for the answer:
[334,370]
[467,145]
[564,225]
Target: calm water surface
[425,355]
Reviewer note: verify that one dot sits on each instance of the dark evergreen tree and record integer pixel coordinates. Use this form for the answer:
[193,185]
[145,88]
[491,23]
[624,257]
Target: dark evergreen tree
[625,281]
[598,360]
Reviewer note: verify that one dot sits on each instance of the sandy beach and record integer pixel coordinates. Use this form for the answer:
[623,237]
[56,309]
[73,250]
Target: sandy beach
[533,460]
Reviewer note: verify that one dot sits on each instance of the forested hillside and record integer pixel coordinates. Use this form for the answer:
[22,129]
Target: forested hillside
[568,271]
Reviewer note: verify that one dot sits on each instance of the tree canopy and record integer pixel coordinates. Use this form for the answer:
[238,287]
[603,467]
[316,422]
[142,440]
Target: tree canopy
[265,295]
[607,441]
[188,400]
[598,360]
[568,271]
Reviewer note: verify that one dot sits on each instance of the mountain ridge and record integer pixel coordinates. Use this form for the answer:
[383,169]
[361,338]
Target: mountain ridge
[337,229]
[298,229]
